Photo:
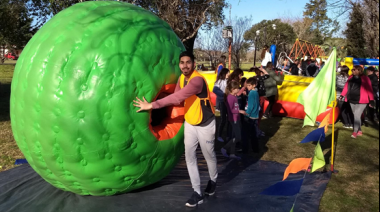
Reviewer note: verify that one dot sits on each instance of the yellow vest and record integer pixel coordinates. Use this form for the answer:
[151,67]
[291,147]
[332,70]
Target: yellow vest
[193,108]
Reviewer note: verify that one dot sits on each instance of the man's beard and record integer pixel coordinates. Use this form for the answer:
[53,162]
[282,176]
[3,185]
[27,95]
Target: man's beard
[186,72]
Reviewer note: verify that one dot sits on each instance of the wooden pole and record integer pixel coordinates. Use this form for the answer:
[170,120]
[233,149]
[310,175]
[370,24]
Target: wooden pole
[230,53]
[254,59]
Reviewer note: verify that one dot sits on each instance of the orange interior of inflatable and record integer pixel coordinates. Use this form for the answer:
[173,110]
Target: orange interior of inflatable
[172,123]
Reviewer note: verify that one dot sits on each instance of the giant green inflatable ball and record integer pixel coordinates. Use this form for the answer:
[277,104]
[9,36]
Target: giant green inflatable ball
[72,98]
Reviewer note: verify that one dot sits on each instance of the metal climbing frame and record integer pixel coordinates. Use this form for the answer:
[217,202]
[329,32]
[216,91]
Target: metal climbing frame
[304,48]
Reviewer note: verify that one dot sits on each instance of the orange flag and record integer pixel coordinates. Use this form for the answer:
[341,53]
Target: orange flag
[326,122]
[296,166]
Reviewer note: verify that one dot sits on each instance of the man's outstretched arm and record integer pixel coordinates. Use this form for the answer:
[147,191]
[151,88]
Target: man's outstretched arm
[194,87]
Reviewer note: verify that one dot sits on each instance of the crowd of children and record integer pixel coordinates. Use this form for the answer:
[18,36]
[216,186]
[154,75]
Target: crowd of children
[241,103]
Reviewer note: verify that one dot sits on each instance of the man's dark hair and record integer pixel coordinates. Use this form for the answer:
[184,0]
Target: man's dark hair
[187,54]
[252,81]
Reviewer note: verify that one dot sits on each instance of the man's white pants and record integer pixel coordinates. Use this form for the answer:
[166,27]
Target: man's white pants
[205,137]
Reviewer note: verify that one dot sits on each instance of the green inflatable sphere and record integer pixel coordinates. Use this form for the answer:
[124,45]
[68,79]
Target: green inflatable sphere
[72,98]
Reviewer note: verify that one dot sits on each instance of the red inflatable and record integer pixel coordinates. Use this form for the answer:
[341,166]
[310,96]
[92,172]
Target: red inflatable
[292,110]
[296,110]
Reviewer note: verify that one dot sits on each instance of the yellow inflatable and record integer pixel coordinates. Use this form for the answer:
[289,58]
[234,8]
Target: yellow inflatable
[288,91]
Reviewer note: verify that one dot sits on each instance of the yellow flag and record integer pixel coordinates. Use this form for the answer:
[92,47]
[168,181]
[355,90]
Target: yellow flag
[326,122]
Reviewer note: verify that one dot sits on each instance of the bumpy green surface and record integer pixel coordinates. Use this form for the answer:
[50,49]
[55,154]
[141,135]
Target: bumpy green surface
[71,103]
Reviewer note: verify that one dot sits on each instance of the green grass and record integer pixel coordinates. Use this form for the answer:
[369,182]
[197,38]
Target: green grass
[355,188]
[10,61]
[6,73]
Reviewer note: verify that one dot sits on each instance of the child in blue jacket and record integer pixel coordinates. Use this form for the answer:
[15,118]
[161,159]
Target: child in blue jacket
[252,113]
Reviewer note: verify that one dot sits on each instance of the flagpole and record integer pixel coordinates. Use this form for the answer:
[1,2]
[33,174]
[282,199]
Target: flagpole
[333,135]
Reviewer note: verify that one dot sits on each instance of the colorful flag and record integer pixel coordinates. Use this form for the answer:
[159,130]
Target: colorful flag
[284,188]
[319,159]
[320,93]
[296,166]
[316,135]
[326,122]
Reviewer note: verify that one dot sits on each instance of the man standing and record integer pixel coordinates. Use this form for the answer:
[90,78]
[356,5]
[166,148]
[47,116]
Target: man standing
[305,64]
[312,70]
[199,123]
[294,70]
[221,65]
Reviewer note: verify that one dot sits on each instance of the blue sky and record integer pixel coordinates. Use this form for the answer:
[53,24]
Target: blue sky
[266,9]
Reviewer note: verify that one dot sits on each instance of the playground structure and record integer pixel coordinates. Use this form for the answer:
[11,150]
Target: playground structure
[300,49]
[303,48]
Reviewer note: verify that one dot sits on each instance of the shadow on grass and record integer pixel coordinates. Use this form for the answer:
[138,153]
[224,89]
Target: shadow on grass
[363,159]
[5,94]
[327,144]
[372,124]
[269,126]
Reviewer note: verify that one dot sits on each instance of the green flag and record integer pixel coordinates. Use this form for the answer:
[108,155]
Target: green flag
[319,158]
[320,93]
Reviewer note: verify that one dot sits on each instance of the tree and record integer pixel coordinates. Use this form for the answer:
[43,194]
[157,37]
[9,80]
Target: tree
[370,12]
[371,28]
[339,43]
[301,26]
[15,24]
[355,33]
[323,27]
[185,17]
[282,36]
[240,46]
[212,44]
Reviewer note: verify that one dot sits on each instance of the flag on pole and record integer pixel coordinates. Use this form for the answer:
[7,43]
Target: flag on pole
[296,166]
[319,159]
[316,135]
[320,93]
[326,122]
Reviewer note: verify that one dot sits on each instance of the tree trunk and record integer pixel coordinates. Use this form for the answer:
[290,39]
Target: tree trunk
[189,44]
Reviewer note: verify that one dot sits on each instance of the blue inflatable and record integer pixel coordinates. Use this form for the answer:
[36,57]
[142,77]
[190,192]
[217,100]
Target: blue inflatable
[273,49]
[366,62]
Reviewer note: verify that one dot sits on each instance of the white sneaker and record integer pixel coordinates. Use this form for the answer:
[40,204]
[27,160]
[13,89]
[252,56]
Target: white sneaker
[220,139]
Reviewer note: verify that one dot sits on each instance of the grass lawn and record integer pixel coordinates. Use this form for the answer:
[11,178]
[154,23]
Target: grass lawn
[10,61]
[355,188]
[6,73]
